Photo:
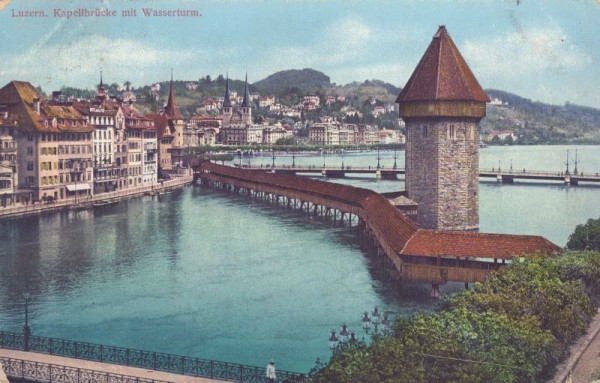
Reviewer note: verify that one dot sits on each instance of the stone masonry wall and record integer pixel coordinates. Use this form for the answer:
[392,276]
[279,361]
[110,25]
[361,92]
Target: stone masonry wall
[442,171]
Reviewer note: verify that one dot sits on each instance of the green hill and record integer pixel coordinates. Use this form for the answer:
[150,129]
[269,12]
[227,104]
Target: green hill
[304,80]
[536,122]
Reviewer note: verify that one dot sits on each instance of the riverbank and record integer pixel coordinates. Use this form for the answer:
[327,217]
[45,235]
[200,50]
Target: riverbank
[81,203]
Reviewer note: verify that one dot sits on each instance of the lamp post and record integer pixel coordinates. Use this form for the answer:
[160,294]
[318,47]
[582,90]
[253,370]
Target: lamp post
[333,340]
[345,338]
[323,158]
[273,156]
[26,329]
[293,160]
[342,159]
[567,163]
[372,325]
[378,158]
[395,157]
[575,163]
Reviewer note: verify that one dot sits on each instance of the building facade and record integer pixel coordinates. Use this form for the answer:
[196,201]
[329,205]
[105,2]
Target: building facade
[8,159]
[55,147]
[442,104]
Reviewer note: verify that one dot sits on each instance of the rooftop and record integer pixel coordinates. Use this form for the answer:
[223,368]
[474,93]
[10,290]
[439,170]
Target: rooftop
[442,75]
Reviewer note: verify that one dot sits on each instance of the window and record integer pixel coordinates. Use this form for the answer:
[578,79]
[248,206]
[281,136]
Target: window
[30,150]
[30,165]
[452,132]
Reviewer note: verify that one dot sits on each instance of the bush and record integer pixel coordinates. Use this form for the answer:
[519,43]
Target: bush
[515,327]
[586,237]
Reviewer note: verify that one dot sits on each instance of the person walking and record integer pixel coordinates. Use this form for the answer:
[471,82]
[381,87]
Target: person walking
[271,372]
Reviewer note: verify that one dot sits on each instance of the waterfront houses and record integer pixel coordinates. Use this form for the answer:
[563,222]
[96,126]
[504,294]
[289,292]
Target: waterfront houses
[331,132]
[136,127]
[55,155]
[8,159]
[106,119]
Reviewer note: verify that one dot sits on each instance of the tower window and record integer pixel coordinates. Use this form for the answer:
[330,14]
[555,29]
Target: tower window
[452,132]
[425,131]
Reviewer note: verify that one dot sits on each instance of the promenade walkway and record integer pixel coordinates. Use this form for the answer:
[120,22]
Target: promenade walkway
[85,202]
[584,357]
[103,367]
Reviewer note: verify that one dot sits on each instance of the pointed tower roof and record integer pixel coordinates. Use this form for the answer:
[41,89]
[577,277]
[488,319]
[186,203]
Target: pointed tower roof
[227,101]
[171,110]
[442,75]
[101,93]
[246,102]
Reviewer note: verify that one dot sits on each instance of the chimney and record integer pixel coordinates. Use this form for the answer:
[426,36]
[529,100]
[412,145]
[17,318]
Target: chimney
[36,105]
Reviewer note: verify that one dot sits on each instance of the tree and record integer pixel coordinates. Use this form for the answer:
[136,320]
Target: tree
[586,237]
[286,141]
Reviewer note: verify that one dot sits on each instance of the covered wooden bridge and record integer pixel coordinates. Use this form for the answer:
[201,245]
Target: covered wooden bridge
[411,253]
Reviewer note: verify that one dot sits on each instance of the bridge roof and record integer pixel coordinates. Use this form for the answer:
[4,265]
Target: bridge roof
[399,232]
[433,243]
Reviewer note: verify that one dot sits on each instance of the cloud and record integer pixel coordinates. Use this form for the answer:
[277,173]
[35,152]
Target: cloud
[344,50]
[76,62]
[340,42]
[524,52]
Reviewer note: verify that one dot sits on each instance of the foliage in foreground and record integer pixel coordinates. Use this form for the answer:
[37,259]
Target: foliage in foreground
[515,327]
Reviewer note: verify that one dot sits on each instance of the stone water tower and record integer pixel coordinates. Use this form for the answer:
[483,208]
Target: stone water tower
[442,104]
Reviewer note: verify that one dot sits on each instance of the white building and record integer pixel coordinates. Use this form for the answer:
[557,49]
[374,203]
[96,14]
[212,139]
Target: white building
[150,156]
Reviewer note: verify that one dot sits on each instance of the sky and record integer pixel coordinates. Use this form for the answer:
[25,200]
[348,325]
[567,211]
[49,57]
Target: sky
[545,50]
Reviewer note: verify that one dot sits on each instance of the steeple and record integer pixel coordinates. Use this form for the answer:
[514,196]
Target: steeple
[246,108]
[227,101]
[246,102]
[171,110]
[101,93]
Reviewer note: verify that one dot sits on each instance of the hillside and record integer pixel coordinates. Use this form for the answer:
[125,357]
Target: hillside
[532,121]
[536,122]
[304,80]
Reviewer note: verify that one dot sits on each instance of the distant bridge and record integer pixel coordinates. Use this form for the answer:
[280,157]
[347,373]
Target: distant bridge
[409,252]
[504,176]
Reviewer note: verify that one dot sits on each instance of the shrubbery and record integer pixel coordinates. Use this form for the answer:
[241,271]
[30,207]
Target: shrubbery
[515,327]
[586,237]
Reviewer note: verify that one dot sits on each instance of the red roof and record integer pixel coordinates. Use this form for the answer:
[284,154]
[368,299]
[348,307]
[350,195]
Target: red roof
[442,75]
[160,124]
[433,243]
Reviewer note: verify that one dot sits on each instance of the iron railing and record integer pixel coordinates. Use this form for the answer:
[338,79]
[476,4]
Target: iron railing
[52,373]
[158,361]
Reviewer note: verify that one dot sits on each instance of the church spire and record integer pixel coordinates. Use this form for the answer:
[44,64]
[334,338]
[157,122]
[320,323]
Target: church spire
[246,102]
[227,101]
[101,93]
[171,109]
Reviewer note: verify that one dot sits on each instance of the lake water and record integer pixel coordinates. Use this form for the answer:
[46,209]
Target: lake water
[202,273]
